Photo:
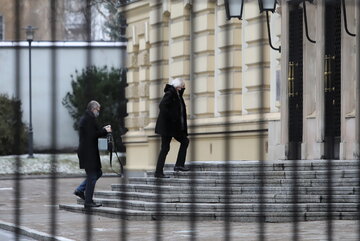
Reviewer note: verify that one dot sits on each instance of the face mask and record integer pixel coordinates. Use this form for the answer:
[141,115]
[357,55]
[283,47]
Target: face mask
[96,113]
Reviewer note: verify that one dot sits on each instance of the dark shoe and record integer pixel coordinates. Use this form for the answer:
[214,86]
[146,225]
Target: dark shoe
[92,205]
[160,175]
[181,169]
[80,194]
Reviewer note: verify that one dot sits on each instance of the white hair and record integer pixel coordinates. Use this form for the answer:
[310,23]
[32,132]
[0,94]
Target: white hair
[177,82]
[92,105]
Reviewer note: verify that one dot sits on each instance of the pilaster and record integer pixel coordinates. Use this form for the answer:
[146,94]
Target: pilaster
[357,82]
[284,99]
[203,65]
[309,149]
[132,95]
[256,61]
[348,84]
[228,61]
[159,56]
[319,150]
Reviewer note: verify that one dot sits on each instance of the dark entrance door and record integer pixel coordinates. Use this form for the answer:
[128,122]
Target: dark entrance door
[295,80]
[332,85]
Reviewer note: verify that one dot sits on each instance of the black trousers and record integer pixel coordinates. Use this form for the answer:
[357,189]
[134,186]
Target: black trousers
[91,177]
[165,147]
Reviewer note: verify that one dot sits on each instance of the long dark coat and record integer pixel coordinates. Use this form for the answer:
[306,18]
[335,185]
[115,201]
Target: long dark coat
[172,107]
[88,151]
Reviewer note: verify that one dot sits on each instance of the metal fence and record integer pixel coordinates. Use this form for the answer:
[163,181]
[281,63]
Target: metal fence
[193,221]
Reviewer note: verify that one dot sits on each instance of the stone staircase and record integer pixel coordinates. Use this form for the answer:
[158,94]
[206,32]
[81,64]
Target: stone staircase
[216,191]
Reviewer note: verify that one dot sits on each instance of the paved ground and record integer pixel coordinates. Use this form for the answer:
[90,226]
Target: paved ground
[8,236]
[35,209]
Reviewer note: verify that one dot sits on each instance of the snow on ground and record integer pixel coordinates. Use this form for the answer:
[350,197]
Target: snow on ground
[41,164]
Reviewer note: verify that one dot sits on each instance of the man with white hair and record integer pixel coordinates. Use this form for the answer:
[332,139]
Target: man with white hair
[171,123]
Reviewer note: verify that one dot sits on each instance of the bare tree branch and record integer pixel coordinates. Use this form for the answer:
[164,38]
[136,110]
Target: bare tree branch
[109,10]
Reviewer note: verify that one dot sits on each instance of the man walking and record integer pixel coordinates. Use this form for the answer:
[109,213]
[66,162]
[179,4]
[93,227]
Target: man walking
[171,123]
[88,152]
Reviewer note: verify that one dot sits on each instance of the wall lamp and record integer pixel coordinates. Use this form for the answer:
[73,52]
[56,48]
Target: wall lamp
[345,19]
[305,21]
[234,9]
[268,5]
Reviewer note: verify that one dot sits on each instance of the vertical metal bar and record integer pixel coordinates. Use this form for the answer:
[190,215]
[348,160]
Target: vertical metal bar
[295,200]
[53,118]
[89,87]
[329,225]
[123,205]
[159,69]
[357,79]
[17,179]
[30,107]
[262,65]
[226,147]
[122,180]
[295,218]
[193,182]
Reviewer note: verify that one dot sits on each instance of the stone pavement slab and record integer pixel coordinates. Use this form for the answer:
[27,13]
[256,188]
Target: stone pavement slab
[35,214]
[9,236]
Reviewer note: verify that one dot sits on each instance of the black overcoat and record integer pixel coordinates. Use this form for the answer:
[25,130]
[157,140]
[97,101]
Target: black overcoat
[88,150]
[172,107]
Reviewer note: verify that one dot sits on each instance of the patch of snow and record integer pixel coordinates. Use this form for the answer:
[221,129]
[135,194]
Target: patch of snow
[44,163]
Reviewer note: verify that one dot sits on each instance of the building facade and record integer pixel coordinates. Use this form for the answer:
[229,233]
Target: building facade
[228,68]
[245,100]
[319,82]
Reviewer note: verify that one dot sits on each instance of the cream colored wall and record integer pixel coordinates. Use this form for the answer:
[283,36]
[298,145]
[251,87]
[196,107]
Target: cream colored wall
[223,84]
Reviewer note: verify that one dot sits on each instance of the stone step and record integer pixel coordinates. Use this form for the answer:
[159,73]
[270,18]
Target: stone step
[315,174]
[283,165]
[208,216]
[183,197]
[221,198]
[233,190]
[240,183]
[221,207]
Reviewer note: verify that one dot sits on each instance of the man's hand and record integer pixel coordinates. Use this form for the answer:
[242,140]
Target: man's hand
[107,128]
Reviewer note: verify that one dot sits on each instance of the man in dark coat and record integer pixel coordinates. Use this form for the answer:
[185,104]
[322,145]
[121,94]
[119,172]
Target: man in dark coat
[88,152]
[171,123]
